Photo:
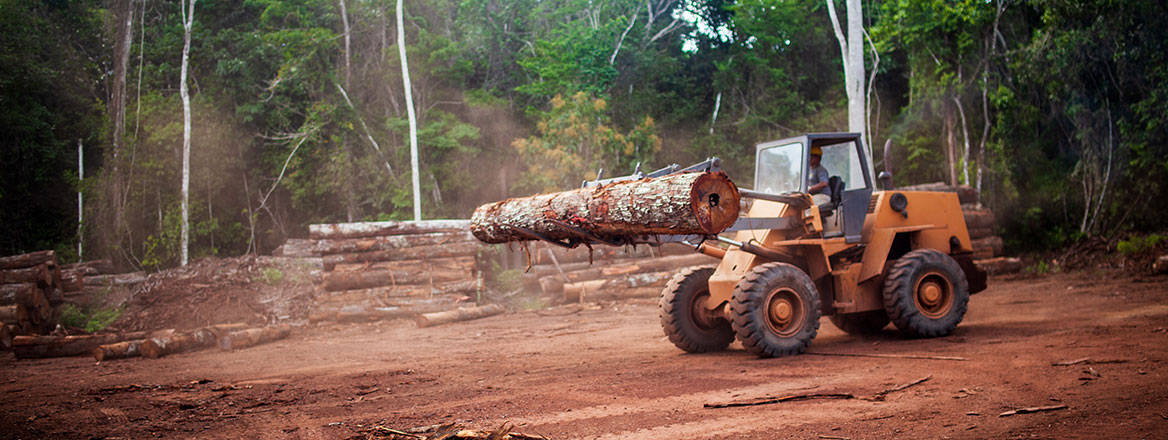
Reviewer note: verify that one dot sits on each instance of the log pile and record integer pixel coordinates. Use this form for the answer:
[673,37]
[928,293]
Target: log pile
[156,344]
[31,286]
[378,270]
[612,273]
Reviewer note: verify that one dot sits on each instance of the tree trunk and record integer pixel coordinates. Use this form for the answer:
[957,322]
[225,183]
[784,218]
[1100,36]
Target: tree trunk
[252,337]
[121,279]
[188,18]
[688,203]
[15,315]
[28,347]
[414,170]
[414,253]
[584,290]
[37,274]
[377,229]
[160,346]
[462,314]
[336,281]
[438,264]
[28,260]
[385,293]
[332,247]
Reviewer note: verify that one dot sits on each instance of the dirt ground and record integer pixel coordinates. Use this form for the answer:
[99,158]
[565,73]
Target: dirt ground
[608,372]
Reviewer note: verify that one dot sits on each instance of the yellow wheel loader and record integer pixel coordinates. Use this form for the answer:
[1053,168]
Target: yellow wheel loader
[860,256]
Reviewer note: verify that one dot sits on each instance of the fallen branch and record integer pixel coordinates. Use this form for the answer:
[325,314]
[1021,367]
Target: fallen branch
[880,395]
[1032,409]
[780,399]
[1087,361]
[891,356]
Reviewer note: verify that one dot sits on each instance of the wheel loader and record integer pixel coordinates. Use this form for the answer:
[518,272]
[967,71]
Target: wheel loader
[861,257]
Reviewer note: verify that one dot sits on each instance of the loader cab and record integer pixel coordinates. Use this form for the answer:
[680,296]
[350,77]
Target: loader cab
[781,167]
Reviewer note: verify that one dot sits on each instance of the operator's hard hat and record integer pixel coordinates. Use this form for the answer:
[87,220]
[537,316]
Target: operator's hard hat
[816,151]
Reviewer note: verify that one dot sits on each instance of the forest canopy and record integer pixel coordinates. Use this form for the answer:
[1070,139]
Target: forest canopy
[1053,109]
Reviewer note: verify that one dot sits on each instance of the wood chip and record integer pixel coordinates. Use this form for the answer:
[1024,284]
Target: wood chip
[1033,409]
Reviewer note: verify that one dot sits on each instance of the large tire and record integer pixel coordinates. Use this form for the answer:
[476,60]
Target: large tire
[863,323]
[775,310]
[925,293]
[687,326]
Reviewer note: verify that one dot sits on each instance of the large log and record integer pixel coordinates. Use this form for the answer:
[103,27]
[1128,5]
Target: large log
[336,281]
[987,247]
[93,267]
[1000,265]
[125,349]
[73,280]
[162,345]
[28,260]
[39,274]
[687,203]
[436,264]
[251,337]
[121,279]
[462,249]
[982,218]
[965,194]
[585,289]
[389,294]
[377,229]
[27,347]
[461,314]
[351,245]
[31,296]
[18,317]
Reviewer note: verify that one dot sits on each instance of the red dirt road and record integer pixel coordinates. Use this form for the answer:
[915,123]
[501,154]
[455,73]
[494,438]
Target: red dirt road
[611,374]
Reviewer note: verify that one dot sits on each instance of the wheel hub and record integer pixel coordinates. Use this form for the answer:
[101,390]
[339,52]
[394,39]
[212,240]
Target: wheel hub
[784,312]
[933,295]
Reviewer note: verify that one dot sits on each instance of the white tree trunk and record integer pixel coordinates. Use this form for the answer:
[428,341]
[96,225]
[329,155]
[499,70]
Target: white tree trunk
[345,23]
[188,21]
[401,49]
[852,57]
[80,201]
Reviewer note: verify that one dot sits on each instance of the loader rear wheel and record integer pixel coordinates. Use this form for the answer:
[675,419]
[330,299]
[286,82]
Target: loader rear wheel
[863,323]
[687,324]
[925,293]
[775,310]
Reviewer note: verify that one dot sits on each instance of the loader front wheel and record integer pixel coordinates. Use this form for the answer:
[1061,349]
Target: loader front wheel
[775,310]
[925,293]
[686,322]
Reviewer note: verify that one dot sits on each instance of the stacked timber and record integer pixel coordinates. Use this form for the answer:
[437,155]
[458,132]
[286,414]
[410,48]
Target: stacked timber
[377,270]
[31,285]
[607,273]
[979,220]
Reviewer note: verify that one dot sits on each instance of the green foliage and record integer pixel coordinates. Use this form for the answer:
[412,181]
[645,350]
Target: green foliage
[576,138]
[92,321]
[1140,244]
[273,275]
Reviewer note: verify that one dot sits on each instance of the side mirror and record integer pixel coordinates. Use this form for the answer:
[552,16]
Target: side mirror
[885,179]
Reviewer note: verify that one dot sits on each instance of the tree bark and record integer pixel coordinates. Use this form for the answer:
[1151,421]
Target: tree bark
[28,260]
[462,314]
[37,274]
[436,264]
[377,229]
[344,246]
[251,337]
[161,345]
[188,17]
[28,347]
[15,315]
[584,290]
[386,293]
[979,219]
[336,281]
[688,203]
[414,253]
[413,120]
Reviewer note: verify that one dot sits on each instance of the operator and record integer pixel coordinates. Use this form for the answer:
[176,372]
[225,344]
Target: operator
[817,179]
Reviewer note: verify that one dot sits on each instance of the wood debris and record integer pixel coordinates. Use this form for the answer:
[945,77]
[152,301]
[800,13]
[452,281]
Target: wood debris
[780,399]
[1032,409]
[891,356]
[880,395]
